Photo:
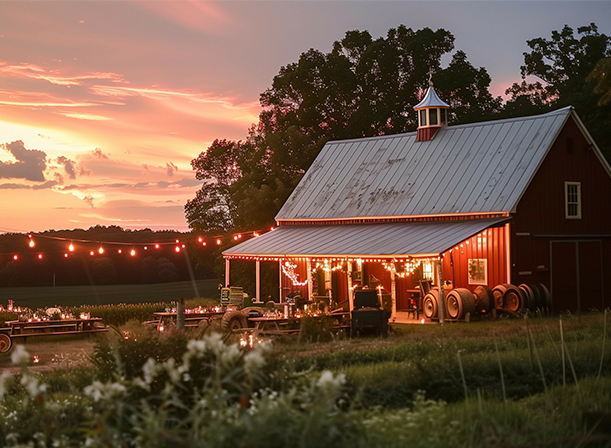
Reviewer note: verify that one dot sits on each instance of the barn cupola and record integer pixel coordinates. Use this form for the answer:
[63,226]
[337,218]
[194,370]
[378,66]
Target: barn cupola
[432,115]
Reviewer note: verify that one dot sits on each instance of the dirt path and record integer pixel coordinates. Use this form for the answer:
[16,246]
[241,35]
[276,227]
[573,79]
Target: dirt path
[48,354]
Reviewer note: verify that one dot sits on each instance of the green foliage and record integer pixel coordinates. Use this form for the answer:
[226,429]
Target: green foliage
[362,87]
[316,329]
[567,65]
[122,313]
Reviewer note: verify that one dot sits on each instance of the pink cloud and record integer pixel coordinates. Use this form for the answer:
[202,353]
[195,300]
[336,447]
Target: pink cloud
[203,17]
[32,71]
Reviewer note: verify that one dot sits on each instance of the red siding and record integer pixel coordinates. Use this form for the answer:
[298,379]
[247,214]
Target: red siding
[540,219]
[489,245]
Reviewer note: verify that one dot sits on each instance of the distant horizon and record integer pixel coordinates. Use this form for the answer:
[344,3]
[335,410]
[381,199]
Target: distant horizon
[103,105]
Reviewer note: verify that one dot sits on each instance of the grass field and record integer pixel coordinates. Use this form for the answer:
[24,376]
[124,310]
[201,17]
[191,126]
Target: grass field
[40,297]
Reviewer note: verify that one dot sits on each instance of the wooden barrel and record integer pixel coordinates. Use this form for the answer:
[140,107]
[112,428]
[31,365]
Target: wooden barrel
[533,298]
[459,302]
[430,304]
[484,299]
[498,291]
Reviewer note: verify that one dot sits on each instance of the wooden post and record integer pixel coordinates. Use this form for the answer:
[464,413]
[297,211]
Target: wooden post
[310,282]
[393,296]
[226,271]
[258,280]
[180,314]
[350,287]
[441,291]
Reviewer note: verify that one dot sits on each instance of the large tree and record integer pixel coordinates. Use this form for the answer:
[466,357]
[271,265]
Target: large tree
[362,87]
[561,67]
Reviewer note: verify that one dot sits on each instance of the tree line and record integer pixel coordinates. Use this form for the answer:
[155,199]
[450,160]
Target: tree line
[367,87]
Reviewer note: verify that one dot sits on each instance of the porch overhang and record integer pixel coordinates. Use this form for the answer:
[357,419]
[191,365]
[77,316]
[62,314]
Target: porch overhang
[380,240]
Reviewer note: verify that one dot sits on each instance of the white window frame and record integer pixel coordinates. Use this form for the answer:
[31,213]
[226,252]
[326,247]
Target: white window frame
[572,201]
[477,271]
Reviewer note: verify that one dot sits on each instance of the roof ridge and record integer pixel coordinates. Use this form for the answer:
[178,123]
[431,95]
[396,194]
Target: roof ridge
[562,110]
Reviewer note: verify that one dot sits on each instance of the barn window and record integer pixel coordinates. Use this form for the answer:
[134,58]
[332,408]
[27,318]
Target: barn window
[572,200]
[432,117]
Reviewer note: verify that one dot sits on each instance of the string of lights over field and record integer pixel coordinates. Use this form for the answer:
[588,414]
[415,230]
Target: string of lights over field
[131,248]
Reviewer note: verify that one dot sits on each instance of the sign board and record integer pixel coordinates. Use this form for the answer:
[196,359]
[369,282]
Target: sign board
[233,295]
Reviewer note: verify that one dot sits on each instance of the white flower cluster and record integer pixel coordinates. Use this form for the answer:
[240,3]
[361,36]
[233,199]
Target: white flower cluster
[104,391]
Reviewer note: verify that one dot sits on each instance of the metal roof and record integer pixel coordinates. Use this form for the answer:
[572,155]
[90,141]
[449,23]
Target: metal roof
[467,169]
[400,239]
[431,99]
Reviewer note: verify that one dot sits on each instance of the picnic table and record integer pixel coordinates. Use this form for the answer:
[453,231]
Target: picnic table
[191,319]
[33,327]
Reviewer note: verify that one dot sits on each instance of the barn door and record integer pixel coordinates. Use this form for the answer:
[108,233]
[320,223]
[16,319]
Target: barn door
[576,275]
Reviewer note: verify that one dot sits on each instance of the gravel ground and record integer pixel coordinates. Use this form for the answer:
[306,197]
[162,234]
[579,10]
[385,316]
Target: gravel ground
[50,353]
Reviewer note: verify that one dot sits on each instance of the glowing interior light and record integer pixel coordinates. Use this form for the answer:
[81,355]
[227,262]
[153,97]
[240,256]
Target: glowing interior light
[71,247]
[133,252]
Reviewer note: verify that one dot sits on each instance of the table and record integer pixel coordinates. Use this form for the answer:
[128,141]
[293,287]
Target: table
[27,328]
[191,319]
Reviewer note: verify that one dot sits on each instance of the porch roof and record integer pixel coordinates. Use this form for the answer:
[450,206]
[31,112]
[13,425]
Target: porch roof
[398,239]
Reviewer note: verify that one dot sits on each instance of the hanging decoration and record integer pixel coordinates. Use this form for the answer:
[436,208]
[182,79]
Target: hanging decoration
[288,269]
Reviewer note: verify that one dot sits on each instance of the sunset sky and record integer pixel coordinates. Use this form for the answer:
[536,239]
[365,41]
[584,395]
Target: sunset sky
[103,104]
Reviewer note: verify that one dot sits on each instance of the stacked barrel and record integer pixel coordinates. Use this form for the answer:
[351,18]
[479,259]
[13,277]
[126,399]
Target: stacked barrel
[460,303]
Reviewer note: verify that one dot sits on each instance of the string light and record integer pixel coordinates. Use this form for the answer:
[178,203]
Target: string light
[288,269]
[101,250]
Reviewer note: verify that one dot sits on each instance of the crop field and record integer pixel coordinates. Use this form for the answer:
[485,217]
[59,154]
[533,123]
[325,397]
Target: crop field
[40,297]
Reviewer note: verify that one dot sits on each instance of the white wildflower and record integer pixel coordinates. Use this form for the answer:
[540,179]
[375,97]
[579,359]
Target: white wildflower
[149,370]
[329,383]
[32,386]
[100,391]
[214,343]
[5,376]
[195,347]
[230,354]
[253,361]
[170,367]
[20,355]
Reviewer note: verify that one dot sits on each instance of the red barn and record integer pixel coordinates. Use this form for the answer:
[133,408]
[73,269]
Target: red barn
[522,201]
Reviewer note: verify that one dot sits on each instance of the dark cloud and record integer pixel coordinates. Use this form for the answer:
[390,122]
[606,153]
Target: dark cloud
[59,178]
[30,164]
[99,154]
[170,168]
[89,200]
[184,183]
[46,185]
[69,166]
